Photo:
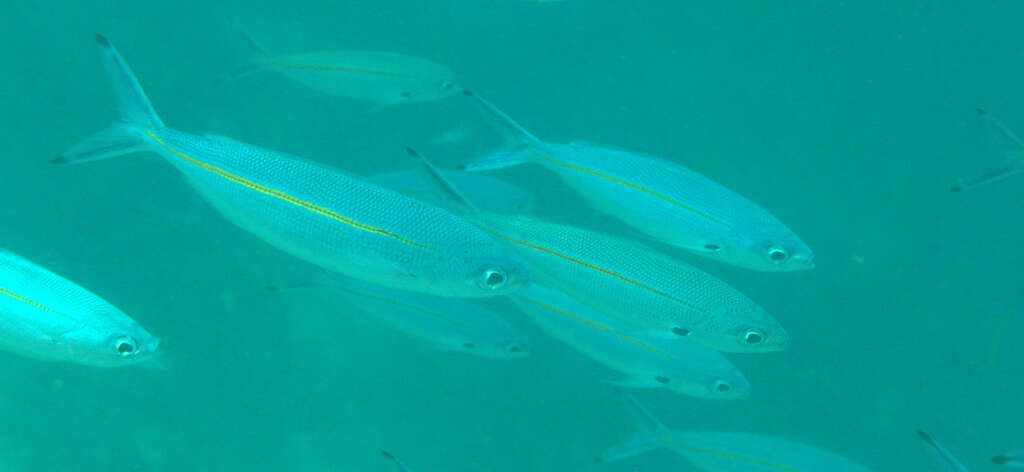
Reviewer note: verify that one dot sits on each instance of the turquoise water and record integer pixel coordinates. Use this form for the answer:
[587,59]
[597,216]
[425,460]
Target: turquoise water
[847,120]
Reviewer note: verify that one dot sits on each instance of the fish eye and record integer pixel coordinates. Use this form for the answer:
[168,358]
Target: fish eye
[777,255]
[721,386]
[447,85]
[125,346]
[680,331]
[664,380]
[493,278]
[753,336]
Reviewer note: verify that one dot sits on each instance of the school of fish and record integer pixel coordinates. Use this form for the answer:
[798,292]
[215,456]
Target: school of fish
[428,251]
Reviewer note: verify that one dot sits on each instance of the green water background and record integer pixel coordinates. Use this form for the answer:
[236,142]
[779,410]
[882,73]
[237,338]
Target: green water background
[848,120]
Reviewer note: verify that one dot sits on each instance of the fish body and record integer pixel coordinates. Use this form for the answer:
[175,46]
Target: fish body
[715,451]
[449,324]
[376,76]
[657,297]
[665,200]
[46,317]
[311,211]
[1014,460]
[685,368]
[488,193]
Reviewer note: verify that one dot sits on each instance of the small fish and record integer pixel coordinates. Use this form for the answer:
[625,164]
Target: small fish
[385,78]
[1010,460]
[646,363]
[399,466]
[46,317]
[313,212]
[669,202]
[490,193]
[657,296]
[944,453]
[450,324]
[714,451]
[1013,163]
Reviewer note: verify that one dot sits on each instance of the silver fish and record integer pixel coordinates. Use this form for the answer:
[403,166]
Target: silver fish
[673,204]
[658,297]
[646,363]
[715,451]
[1013,163]
[449,324]
[46,317]
[489,193]
[313,212]
[385,78]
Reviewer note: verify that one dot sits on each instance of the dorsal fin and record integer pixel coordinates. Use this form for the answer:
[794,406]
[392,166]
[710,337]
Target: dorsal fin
[519,133]
[439,178]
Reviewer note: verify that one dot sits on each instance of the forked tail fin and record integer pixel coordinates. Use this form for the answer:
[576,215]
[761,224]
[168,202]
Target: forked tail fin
[648,437]
[126,135]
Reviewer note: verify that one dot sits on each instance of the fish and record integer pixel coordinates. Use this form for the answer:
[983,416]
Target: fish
[385,78]
[684,368]
[715,451]
[449,324]
[666,201]
[655,295]
[492,194]
[46,317]
[944,453]
[399,466]
[1014,460]
[318,214]
[1012,164]
[659,297]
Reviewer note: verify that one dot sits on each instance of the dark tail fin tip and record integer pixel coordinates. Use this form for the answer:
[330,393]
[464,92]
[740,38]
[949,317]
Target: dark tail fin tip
[1001,459]
[468,93]
[59,160]
[981,111]
[924,435]
[386,454]
[102,40]
[955,188]
[412,152]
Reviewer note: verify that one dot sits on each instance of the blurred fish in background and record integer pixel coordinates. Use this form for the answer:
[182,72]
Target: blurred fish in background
[385,78]
[1012,164]
[448,324]
[714,451]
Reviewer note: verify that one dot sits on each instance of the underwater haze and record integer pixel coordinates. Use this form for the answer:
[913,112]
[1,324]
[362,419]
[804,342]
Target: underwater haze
[848,121]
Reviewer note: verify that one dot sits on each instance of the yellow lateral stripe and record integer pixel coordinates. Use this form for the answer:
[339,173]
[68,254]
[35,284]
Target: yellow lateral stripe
[640,188]
[31,303]
[727,455]
[270,192]
[407,306]
[288,65]
[598,269]
[596,325]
